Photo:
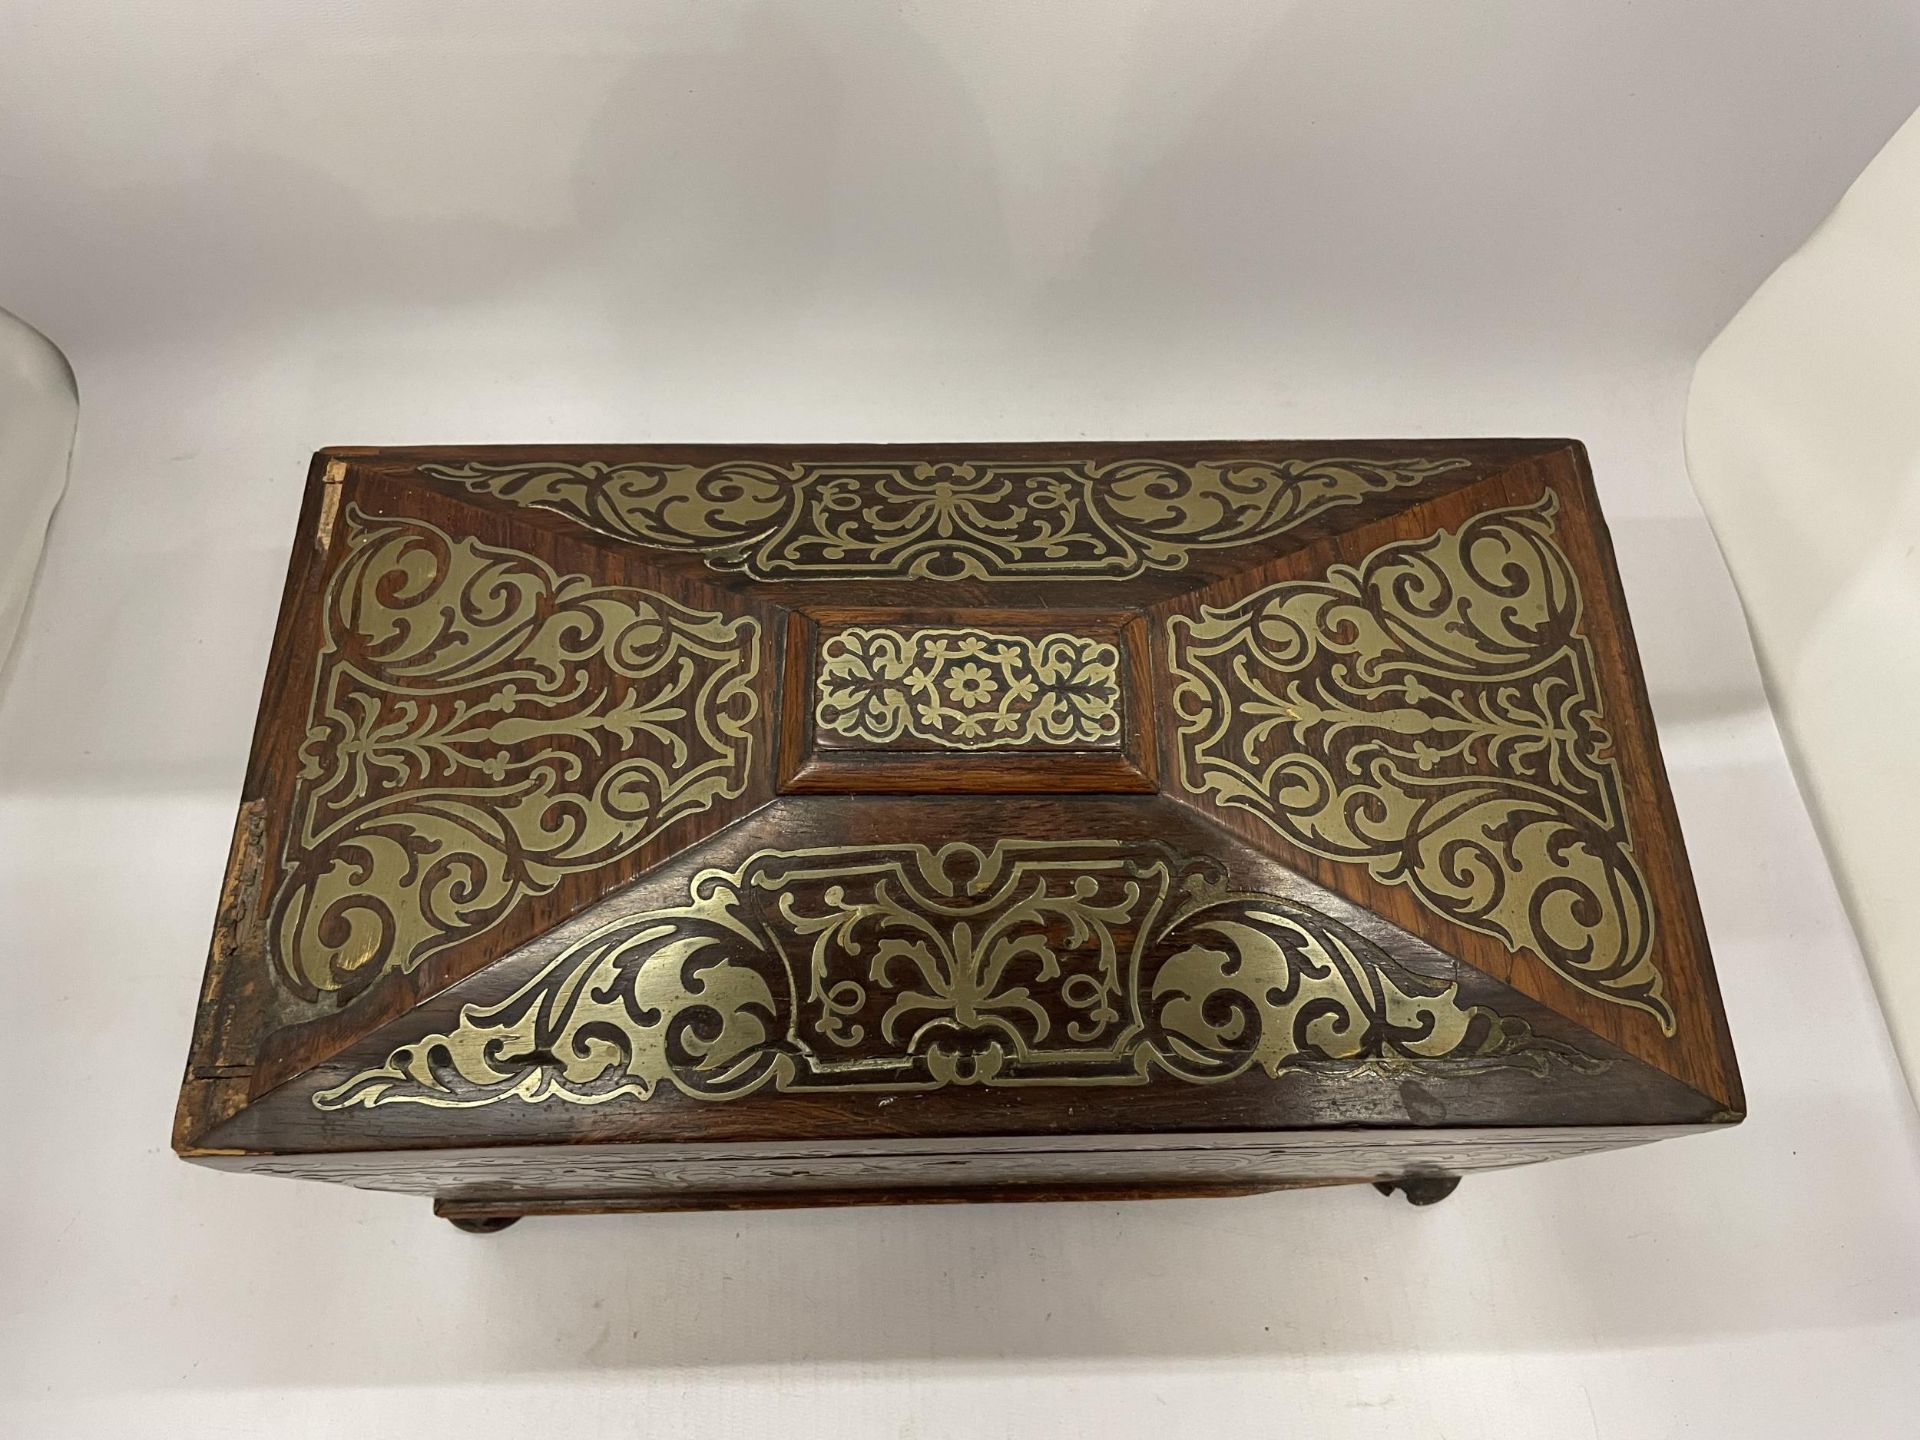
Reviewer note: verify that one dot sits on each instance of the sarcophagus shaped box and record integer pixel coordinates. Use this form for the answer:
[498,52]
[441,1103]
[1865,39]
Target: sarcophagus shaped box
[655,827]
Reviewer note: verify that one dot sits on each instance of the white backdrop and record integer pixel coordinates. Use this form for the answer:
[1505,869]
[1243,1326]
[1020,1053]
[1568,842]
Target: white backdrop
[1803,441]
[258,228]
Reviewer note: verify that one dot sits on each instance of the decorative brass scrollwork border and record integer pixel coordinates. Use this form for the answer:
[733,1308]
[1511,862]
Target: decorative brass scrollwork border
[902,968]
[1434,715]
[957,520]
[480,727]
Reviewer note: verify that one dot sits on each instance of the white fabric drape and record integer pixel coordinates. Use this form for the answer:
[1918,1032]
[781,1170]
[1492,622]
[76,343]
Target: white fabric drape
[38,411]
[1803,440]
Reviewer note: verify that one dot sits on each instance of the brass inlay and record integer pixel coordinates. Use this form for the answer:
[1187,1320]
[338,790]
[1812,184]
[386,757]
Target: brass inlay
[480,727]
[968,689]
[901,967]
[1433,714]
[958,520]
[331,482]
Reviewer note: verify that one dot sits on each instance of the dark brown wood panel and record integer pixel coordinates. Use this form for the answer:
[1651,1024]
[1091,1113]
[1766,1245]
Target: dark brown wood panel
[521,1174]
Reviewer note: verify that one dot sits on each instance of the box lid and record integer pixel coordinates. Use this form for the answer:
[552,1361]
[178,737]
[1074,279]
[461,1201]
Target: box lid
[951,789]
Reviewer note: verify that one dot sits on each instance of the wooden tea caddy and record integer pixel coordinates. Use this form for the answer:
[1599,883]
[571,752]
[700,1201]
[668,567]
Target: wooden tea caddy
[663,827]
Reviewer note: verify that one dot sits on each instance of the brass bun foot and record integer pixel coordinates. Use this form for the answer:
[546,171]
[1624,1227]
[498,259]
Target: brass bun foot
[482,1224]
[1421,1189]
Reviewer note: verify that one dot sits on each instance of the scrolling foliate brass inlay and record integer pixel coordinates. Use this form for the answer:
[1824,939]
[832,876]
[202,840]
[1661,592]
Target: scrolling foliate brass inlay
[1433,714]
[968,689]
[900,967]
[480,727]
[958,520]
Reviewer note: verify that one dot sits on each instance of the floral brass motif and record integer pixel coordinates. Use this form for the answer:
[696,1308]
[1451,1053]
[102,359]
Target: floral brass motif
[900,968]
[962,520]
[968,689]
[1433,714]
[480,727]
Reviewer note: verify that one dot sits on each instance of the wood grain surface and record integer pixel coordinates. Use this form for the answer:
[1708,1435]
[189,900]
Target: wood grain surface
[1400,1030]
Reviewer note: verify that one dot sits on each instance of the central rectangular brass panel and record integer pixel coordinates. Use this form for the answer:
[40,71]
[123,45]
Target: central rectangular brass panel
[965,688]
[1008,702]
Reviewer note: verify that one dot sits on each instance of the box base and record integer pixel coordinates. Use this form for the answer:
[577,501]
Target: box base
[485,1217]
